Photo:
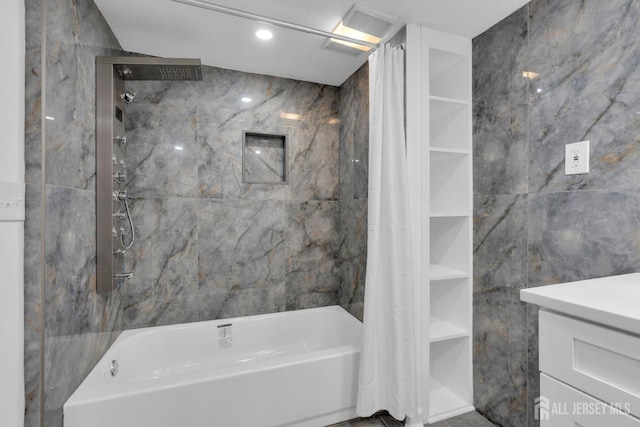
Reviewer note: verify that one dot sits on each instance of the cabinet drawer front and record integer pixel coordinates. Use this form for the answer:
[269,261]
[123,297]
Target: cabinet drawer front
[602,362]
[565,406]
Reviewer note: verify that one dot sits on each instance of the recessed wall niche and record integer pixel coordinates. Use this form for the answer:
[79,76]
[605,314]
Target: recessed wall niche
[264,158]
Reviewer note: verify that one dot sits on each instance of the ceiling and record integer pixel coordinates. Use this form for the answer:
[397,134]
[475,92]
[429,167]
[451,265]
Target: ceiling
[170,29]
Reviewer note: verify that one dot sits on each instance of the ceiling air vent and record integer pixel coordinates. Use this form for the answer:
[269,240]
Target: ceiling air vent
[362,23]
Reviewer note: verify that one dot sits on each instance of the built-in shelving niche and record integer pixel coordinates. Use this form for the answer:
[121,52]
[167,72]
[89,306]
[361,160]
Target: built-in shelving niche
[264,158]
[445,173]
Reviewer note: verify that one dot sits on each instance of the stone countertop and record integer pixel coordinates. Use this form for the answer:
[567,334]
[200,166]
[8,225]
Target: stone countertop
[613,301]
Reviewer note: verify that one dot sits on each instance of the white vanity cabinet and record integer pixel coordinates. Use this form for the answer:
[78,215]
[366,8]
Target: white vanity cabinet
[589,335]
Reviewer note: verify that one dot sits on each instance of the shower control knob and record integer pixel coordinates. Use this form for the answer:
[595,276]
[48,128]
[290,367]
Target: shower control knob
[120,215]
[114,232]
[119,196]
[120,176]
[120,252]
[122,140]
[114,160]
[127,96]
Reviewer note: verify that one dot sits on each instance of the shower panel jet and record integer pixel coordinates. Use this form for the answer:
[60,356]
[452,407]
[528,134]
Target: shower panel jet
[113,221]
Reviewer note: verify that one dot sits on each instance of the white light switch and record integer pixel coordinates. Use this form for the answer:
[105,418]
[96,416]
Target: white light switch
[576,158]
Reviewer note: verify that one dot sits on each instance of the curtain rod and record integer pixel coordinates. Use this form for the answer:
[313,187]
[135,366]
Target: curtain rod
[272,21]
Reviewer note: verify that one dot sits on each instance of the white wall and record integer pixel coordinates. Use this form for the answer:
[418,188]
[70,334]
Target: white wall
[12,38]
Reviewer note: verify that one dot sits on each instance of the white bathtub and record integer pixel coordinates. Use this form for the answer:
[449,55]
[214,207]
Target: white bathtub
[297,368]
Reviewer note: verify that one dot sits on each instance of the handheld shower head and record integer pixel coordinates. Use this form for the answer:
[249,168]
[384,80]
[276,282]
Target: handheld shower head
[127,96]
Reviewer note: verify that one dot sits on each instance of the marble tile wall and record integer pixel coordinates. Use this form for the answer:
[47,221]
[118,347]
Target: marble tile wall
[354,159]
[533,225]
[78,324]
[32,224]
[208,244]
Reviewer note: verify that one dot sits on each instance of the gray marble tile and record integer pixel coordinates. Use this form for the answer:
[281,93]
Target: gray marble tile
[353,189]
[583,234]
[353,255]
[471,419]
[500,355]
[303,111]
[346,134]
[241,251]
[314,171]
[32,266]
[31,386]
[72,306]
[500,242]
[219,303]
[533,367]
[500,107]
[222,117]
[164,258]
[68,360]
[161,150]
[499,318]
[33,91]
[32,305]
[354,135]
[312,240]
[313,155]
[586,55]
[76,34]
[361,134]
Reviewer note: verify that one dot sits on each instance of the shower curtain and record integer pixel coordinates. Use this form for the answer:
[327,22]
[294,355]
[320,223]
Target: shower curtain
[389,358]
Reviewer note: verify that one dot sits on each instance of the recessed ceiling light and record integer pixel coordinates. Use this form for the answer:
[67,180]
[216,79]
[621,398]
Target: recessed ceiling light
[264,34]
[245,99]
[178,147]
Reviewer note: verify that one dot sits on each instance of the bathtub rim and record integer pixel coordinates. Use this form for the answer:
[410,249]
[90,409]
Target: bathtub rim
[95,387]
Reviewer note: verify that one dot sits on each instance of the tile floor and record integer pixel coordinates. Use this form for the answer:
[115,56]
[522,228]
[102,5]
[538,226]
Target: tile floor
[470,419]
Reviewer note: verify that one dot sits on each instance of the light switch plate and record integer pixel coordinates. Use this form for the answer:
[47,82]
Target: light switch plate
[576,158]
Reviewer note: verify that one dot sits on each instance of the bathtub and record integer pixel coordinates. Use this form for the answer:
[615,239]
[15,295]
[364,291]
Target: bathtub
[297,368]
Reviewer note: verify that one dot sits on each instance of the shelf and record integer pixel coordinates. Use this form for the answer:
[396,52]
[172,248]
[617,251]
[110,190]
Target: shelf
[450,242]
[450,184]
[449,74]
[450,309]
[441,330]
[444,402]
[440,272]
[449,124]
[450,100]
[451,214]
[450,388]
[449,150]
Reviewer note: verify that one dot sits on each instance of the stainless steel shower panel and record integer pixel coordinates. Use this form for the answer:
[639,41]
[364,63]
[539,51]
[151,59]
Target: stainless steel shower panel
[109,153]
[111,172]
[149,68]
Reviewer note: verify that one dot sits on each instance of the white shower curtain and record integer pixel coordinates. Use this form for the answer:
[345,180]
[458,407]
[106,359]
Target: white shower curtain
[388,364]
